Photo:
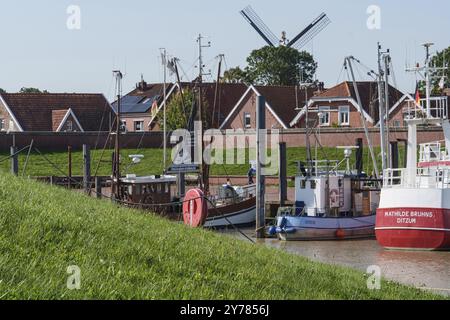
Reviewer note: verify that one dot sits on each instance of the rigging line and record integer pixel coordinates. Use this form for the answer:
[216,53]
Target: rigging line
[143,135]
[101,158]
[56,167]
[13,155]
[340,74]
[28,157]
[229,222]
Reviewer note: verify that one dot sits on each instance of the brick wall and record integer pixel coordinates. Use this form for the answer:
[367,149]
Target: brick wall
[58,141]
[331,137]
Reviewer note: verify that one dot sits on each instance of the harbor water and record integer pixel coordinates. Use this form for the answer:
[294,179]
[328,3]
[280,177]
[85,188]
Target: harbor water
[427,270]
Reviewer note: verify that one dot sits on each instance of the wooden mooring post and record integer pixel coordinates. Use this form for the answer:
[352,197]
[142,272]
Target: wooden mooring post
[282,173]
[14,161]
[260,160]
[69,160]
[86,167]
[98,187]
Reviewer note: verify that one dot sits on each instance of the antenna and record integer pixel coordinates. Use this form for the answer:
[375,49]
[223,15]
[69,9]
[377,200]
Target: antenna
[201,66]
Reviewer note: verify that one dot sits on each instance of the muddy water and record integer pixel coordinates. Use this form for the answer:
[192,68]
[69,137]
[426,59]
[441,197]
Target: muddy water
[422,269]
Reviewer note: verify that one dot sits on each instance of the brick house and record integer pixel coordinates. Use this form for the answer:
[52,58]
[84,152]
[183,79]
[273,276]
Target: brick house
[406,106]
[338,106]
[220,105]
[140,106]
[281,107]
[54,112]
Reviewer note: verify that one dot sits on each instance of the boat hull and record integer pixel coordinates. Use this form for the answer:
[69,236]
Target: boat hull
[292,228]
[238,215]
[413,228]
[414,219]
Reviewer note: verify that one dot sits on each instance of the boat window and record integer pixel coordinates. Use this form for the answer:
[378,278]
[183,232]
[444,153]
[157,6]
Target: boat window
[313,184]
[302,184]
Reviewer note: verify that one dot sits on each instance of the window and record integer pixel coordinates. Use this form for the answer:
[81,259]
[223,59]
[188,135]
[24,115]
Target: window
[139,126]
[397,123]
[324,116]
[69,124]
[247,120]
[2,125]
[123,126]
[344,115]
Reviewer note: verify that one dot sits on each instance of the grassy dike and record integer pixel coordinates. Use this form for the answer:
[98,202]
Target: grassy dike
[126,254]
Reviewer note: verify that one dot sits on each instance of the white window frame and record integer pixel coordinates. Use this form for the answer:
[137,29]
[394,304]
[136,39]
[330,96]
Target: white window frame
[325,110]
[123,125]
[135,122]
[344,110]
[2,124]
[248,116]
[69,124]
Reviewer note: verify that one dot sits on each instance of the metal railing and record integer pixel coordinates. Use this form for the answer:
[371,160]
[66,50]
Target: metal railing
[438,108]
[422,178]
[434,151]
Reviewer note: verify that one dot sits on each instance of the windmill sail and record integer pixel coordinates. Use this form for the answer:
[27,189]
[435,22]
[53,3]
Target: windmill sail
[255,21]
[310,31]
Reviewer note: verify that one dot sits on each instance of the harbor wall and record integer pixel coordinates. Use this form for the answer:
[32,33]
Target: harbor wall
[328,137]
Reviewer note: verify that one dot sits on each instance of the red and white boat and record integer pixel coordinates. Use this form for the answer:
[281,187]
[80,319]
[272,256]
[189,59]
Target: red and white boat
[414,210]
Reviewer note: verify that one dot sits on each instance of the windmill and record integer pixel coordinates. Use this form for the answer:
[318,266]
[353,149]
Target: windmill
[297,42]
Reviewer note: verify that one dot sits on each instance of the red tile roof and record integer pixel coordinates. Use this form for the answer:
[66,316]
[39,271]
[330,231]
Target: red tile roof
[285,100]
[368,91]
[34,112]
[57,117]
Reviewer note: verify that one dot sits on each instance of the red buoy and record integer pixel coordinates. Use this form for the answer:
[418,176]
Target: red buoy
[195,208]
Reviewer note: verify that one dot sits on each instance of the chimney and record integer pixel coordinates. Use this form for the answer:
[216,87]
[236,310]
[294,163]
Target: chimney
[142,86]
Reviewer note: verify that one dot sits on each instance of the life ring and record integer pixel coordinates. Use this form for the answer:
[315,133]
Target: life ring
[195,208]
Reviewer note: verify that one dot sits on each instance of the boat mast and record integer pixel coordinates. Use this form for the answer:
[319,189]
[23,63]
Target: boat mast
[348,62]
[164,62]
[427,78]
[116,173]
[204,174]
[382,109]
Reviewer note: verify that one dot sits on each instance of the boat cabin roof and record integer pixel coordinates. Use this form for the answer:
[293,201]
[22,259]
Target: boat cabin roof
[132,179]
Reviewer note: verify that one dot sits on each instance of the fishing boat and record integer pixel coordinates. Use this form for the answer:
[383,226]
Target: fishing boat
[414,211]
[231,207]
[329,205]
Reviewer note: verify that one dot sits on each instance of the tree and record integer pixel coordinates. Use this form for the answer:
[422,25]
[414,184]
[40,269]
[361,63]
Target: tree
[31,90]
[2,91]
[176,117]
[438,60]
[235,75]
[280,66]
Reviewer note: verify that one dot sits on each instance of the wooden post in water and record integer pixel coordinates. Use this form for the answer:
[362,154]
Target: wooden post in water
[98,187]
[394,155]
[359,155]
[14,161]
[86,167]
[181,182]
[282,173]
[260,160]
[69,160]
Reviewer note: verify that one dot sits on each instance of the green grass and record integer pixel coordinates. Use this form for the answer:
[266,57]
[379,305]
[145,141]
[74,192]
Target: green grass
[127,254]
[153,162]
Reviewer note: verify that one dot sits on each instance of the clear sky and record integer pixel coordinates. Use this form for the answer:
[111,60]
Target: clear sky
[38,50]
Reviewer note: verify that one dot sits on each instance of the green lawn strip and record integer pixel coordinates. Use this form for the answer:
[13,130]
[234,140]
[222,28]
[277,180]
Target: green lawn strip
[153,162]
[129,254]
